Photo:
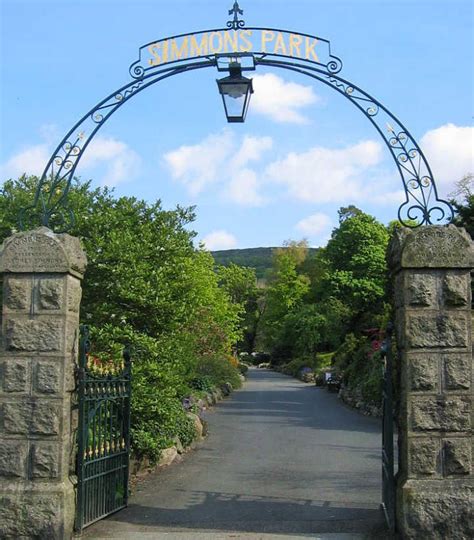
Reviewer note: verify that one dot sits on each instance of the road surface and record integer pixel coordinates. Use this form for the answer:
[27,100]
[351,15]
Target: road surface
[283,460]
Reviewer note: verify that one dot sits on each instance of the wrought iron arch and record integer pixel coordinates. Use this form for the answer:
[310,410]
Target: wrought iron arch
[422,204]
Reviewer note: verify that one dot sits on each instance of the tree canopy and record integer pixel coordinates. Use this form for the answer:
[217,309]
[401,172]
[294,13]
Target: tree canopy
[463,203]
[147,285]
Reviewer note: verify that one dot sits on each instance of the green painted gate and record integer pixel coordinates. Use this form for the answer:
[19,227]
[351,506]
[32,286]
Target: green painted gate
[103,435]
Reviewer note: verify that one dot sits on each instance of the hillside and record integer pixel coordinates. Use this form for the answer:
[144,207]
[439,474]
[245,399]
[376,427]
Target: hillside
[259,258]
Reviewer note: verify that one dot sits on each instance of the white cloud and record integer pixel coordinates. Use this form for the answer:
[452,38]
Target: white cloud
[385,197]
[243,188]
[322,175]
[220,159]
[315,224]
[199,165]
[318,175]
[219,240]
[449,150]
[120,161]
[280,100]
[251,149]
[31,160]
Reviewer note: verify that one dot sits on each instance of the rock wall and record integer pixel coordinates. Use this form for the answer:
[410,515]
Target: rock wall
[355,399]
[38,350]
[433,324]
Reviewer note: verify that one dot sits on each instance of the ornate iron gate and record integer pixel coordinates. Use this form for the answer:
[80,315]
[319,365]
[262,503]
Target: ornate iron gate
[103,435]
[388,473]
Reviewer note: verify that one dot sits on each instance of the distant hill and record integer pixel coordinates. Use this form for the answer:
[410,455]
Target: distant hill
[259,258]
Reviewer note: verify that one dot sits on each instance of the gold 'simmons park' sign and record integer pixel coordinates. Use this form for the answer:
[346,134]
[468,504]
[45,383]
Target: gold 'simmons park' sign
[253,41]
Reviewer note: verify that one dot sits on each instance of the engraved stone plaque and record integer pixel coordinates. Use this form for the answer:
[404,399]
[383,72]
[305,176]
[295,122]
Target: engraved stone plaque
[41,251]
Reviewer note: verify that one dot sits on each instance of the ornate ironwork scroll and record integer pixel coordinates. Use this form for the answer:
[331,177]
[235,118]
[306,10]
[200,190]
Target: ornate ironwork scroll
[309,55]
[422,205]
[50,206]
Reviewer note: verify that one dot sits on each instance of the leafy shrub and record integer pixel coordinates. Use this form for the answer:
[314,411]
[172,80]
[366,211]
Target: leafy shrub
[202,383]
[156,422]
[315,364]
[233,361]
[324,360]
[186,431]
[295,366]
[372,382]
[360,367]
[219,370]
[345,353]
[243,368]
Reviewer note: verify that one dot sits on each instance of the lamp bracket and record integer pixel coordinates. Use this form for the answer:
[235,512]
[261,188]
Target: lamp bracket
[246,60]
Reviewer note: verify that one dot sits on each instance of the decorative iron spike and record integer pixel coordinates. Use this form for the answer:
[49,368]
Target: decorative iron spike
[236,23]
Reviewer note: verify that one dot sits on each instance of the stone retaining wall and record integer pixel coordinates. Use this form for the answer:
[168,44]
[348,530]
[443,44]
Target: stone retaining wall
[354,399]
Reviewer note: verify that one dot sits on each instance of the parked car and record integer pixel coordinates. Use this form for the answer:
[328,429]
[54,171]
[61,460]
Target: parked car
[333,383]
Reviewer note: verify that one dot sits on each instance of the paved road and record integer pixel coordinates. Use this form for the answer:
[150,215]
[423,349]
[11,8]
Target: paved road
[283,460]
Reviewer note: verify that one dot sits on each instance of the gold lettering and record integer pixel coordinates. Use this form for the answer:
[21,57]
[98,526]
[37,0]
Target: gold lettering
[230,42]
[201,49]
[246,46]
[212,46]
[179,52]
[153,49]
[166,48]
[310,49]
[280,47]
[295,44]
[267,35]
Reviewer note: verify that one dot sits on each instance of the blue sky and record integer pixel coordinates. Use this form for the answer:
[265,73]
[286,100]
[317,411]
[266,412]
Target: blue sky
[303,152]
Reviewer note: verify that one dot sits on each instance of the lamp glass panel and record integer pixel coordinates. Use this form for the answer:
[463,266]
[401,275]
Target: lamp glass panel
[235,106]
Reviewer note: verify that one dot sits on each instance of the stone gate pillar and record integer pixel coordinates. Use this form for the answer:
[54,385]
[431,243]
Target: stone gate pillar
[431,267]
[42,275]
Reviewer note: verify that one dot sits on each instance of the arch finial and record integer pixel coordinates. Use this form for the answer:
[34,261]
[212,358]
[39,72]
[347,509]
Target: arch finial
[236,23]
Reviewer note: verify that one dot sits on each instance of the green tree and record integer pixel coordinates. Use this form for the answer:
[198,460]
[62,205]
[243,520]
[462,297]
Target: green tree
[346,212]
[284,294]
[356,255]
[148,286]
[240,283]
[316,267]
[462,200]
[303,330]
